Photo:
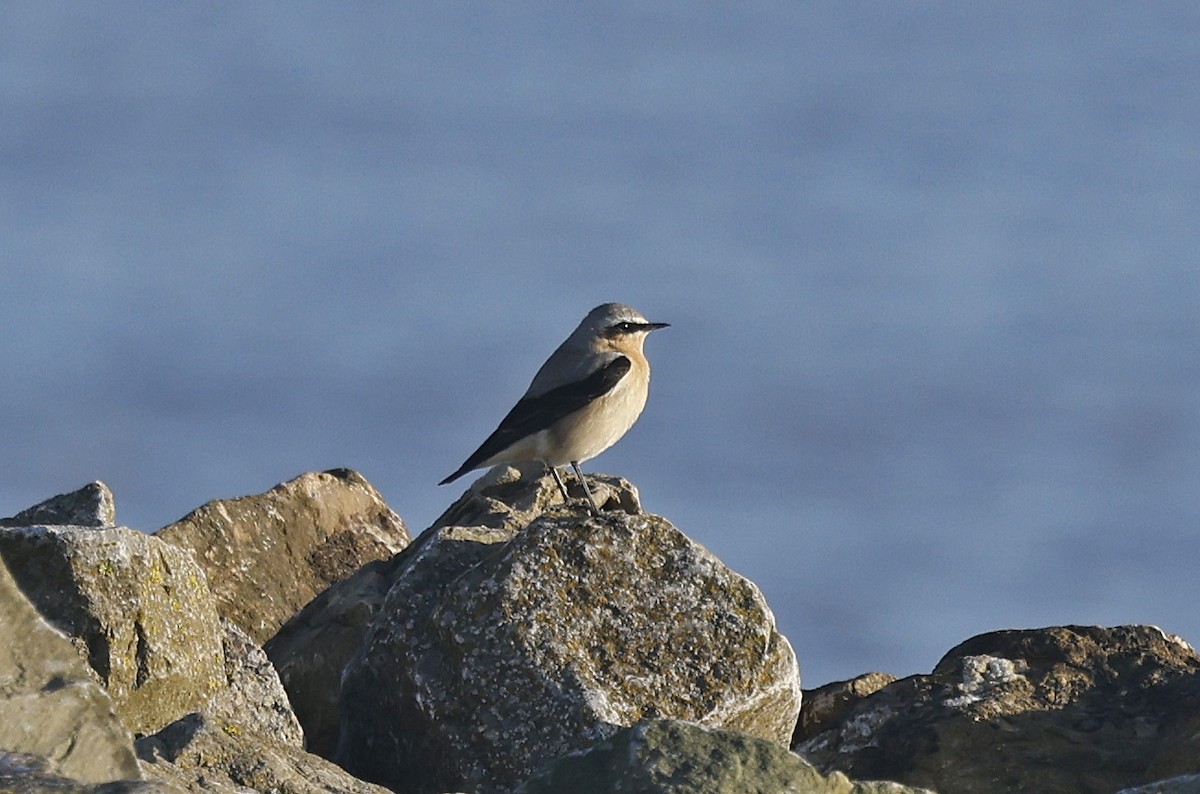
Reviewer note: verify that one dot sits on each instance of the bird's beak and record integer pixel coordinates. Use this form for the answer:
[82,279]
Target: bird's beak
[655,326]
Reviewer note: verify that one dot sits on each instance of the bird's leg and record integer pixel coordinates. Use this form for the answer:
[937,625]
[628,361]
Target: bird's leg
[586,489]
[561,487]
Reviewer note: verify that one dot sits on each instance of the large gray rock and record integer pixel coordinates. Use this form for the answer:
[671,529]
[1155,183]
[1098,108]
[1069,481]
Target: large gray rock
[671,757]
[51,708]
[495,652]
[1059,710]
[313,648]
[90,506]
[137,609]
[270,554]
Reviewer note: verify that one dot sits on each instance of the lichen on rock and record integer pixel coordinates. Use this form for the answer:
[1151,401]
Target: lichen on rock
[496,651]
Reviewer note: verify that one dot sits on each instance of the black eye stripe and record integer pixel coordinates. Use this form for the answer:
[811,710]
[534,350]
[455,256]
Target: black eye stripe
[624,327]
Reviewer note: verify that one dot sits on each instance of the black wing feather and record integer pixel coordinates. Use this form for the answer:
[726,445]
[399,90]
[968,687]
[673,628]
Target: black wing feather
[532,414]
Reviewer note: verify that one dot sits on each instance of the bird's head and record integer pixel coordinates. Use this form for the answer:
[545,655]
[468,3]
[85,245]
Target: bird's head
[615,326]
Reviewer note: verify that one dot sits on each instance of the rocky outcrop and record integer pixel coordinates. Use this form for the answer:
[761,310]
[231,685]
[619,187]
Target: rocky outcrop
[314,647]
[90,506]
[519,644]
[137,609]
[496,651]
[55,719]
[268,555]
[1059,710]
[671,757]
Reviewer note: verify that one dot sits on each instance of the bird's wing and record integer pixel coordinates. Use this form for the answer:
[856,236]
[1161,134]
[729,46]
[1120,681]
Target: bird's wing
[532,414]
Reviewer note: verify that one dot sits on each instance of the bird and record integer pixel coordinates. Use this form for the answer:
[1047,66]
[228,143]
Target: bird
[582,401]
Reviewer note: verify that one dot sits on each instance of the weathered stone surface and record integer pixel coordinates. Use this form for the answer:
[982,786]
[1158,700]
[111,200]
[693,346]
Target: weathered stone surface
[137,609]
[268,555]
[253,700]
[50,705]
[674,757]
[1184,784]
[29,774]
[312,649]
[245,737]
[90,506]
[199,753]
[1058,710]
[497,651]
[511,497]
[824,706]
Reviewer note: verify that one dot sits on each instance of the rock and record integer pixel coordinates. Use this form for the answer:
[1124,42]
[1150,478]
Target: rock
[268,555]
[201,754]
[1056,710]
[312,649]
[496,651]
[253,700]
[137,609]
[1184,784]
[246,736]
[511,497]
[90,506]
[826,705]
[29,774]
[675,757]
[55,719]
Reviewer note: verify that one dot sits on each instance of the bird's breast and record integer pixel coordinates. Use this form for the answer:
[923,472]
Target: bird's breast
[594,428]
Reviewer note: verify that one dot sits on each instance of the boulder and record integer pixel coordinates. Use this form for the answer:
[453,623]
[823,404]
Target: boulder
[675,757]
[245,736]
[137,609]
[268,555]
[55,719]
[90,506]
[824,706]
[1057,710]
[511,497]
[253,700]
[201,754]
[312,649]
[496,651]
[30,774]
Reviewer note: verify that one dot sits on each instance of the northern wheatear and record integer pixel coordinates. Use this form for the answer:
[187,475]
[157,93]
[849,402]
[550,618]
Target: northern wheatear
[584,398]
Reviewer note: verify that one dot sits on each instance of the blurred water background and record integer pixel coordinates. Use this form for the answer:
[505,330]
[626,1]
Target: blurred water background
[931,270]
